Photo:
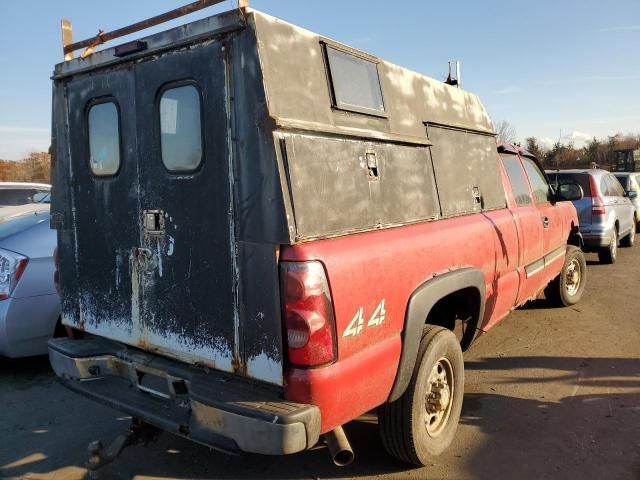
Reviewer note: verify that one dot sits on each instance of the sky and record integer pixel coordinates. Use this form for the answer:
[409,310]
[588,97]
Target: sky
[548,67]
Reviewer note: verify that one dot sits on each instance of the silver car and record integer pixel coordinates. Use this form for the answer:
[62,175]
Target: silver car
[605,213]
[21,193]
[29,303]
[631,184]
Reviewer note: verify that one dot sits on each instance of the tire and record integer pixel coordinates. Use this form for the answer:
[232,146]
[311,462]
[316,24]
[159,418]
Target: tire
[412,428]
[629,240]
[610,254]
[567,288]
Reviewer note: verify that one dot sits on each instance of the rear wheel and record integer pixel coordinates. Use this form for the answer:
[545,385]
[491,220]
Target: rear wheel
[609,254]
[567,288]
[423,422]
[630,239]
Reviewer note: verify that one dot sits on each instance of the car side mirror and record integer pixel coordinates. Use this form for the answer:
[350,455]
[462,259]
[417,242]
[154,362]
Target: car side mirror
[569,192]
[632,194]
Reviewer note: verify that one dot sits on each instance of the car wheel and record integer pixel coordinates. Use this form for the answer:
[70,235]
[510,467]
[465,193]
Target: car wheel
[423,421]
[609,254]
[637,219]
[630,239]
[567,288]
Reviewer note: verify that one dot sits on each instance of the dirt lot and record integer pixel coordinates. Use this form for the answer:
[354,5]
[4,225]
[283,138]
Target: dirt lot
[550,393]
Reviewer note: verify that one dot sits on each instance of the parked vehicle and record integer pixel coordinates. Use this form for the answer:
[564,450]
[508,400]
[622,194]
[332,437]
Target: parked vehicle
[269,233]
[22,193]
[631,184]
[605,213]
[29,303]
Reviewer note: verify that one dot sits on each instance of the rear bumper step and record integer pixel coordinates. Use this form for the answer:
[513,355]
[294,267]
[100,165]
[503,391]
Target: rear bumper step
[208,407]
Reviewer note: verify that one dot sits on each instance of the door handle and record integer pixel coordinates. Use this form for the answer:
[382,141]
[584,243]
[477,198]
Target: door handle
[545,222]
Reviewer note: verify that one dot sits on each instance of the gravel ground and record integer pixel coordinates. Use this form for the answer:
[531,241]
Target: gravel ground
[550,393]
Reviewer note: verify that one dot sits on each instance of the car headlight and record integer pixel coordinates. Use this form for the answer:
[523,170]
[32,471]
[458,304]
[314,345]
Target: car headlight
[12,267]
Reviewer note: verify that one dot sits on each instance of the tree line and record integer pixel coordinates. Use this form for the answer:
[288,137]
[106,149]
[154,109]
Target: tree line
[35,167]
[600,152]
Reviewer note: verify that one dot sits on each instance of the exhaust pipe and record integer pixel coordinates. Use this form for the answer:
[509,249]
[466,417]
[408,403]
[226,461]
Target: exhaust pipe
[339,447]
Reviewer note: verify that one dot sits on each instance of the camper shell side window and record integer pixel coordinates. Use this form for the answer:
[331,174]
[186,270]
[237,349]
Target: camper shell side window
[354,81]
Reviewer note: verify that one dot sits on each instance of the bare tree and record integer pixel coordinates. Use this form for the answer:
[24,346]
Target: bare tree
[506,132]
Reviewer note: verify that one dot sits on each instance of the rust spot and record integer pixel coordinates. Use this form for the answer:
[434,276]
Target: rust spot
[239,366]
[143,343]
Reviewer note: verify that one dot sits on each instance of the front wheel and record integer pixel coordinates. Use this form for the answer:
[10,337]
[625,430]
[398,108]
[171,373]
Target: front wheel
[567,288]
[423,421]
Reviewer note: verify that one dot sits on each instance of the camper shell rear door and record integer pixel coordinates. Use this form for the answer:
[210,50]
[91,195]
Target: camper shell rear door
[148,257]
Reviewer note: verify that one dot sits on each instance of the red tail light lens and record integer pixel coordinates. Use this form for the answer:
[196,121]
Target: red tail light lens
[307,312]
[12,267]
[597,204]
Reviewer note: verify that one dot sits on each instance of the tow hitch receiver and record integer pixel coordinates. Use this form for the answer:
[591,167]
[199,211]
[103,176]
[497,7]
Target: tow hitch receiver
[139,433]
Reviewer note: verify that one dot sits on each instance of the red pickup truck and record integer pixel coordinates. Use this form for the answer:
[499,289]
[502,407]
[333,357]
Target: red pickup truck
[264,234]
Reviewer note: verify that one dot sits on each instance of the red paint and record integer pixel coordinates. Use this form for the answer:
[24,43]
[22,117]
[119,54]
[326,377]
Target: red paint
[364,269]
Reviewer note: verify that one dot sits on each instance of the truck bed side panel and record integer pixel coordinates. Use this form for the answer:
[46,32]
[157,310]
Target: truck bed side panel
[386,266]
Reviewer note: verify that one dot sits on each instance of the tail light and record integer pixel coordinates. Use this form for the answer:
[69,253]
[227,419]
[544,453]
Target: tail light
[597,203]
[12,267]
[308,317]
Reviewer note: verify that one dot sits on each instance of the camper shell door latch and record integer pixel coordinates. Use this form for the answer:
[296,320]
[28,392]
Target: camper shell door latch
[153,222]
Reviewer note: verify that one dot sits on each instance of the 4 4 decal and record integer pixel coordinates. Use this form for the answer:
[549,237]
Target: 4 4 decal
[357,324]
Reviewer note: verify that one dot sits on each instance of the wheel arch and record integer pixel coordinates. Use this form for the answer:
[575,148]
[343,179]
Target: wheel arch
[420,304]
[575,237]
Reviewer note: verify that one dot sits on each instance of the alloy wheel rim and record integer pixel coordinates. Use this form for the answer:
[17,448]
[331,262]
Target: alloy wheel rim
[439,397]
[614,244]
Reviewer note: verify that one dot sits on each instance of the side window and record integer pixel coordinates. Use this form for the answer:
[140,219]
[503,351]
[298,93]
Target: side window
[637,183]
[355,82]
[517,179]
[604,187]
[624,181]
[104,139]
[616,188]
[539,185]
[181,129]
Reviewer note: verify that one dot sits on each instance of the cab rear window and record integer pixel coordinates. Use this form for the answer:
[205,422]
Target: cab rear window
[104,139]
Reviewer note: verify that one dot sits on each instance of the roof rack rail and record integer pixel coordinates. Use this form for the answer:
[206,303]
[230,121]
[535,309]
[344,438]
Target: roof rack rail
[90,44]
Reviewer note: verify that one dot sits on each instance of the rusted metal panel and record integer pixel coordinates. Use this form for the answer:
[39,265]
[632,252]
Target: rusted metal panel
[467,171]
[99,216]
[188,302]
[341,185]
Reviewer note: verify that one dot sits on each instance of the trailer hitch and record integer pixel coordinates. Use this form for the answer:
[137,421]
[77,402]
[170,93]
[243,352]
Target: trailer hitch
[139,433]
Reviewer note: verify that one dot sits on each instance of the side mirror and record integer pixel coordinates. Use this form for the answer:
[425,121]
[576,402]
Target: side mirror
[632,194]
[569,192]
